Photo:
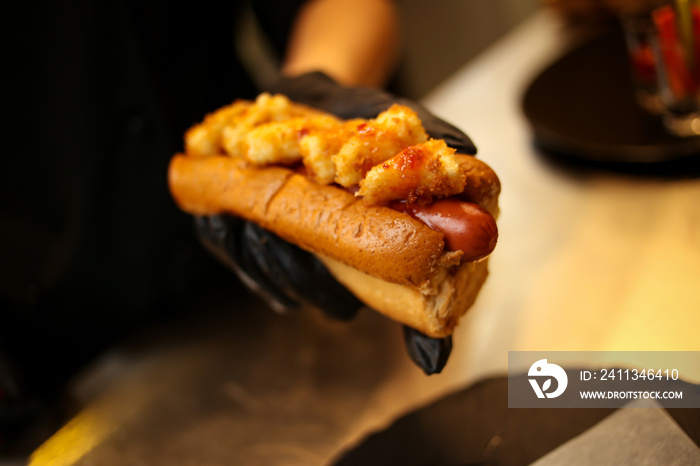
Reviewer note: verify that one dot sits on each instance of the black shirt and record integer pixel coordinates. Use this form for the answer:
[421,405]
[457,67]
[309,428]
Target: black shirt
[100,94]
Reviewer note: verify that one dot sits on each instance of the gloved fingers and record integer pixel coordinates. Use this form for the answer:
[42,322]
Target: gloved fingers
[300,274]
[438,128]
[430,354]
[320,91]
[222,237]
[283,274]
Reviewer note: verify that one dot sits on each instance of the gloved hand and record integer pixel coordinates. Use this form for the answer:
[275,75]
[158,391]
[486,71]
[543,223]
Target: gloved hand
[319,91]
[281,273]
[285,275]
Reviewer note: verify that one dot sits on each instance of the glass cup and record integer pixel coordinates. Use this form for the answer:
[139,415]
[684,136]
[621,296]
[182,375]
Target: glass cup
[664,52]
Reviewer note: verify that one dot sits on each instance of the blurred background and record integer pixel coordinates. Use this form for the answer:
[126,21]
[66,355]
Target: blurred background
[441,36]
[437,38]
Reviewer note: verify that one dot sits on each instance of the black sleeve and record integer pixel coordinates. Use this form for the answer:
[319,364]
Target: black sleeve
[276,18]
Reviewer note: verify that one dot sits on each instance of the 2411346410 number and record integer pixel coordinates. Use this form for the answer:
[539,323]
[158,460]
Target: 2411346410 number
[634,374]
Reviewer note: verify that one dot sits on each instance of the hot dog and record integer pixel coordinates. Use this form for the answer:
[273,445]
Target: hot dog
[409,234]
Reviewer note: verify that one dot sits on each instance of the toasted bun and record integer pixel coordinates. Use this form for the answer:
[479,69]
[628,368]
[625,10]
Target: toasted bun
[326,220]
[392,262]
[433,313]
[483,186]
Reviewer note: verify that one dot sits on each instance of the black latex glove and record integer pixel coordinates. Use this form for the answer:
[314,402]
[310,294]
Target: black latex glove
[319,91]
[279,272]
[285,275]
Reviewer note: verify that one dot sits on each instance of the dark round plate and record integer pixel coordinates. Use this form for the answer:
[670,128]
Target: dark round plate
[583,107]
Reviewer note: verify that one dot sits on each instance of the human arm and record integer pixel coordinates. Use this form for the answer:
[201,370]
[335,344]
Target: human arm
[356,42]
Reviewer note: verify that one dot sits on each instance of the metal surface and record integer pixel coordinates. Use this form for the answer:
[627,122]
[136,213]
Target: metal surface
[238,384]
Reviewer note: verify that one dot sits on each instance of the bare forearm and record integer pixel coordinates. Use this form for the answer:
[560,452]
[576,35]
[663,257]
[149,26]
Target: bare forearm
[353,41]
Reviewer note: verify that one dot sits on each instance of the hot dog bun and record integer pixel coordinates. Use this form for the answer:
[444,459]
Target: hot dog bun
[394,263]
[321,219]
[434,313]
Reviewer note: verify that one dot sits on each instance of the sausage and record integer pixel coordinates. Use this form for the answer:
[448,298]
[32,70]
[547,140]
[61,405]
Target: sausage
[466,226]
